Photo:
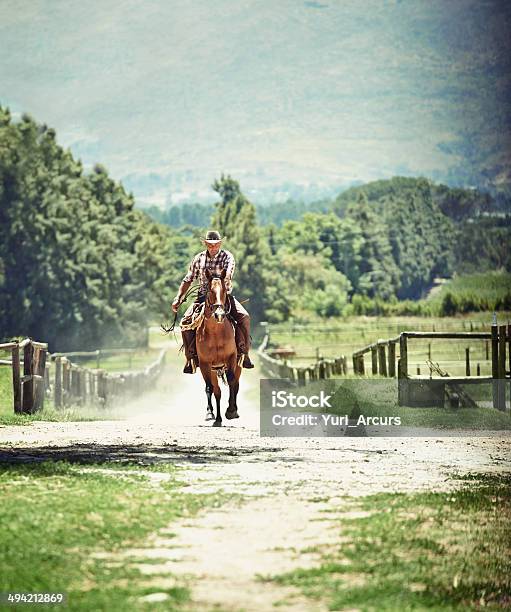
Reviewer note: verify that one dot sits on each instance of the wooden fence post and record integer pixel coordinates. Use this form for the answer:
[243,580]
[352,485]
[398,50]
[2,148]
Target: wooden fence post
[321,371]
[28,385]
[75,384]
[57,393]
[502,367]
[382,359]
[509,359]
[402,371]
[66,380]
[93,386]
[301,376]
[40,383]
[403,355]
[82,377]
[495,365]
[101,383]
[47,379]
[392,359]
[374,360]
[467,361]
[16,379]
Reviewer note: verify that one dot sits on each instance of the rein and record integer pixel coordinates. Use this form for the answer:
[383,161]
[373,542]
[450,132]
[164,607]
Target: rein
[192,291]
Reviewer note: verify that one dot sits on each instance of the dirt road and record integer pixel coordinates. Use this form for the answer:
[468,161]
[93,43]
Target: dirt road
[288,484]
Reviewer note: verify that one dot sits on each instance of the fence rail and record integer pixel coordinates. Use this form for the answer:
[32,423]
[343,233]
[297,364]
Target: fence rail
[68,383]
[281,368]
[28,388]
[386,362]
[390,359]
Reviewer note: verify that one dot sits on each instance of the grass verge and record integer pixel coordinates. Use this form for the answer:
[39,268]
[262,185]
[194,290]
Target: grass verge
[378,397]
[435,551]
[65,528]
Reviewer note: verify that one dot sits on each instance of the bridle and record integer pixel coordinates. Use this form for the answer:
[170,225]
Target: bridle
[217,309]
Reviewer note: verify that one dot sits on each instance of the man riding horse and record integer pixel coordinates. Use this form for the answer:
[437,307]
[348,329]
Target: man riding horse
[214,261]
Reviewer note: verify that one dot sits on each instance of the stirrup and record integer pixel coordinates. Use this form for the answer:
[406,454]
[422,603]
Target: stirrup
[247,363]
[190,367]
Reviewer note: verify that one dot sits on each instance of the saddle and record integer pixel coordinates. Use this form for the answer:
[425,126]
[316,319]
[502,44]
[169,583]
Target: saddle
[194,320]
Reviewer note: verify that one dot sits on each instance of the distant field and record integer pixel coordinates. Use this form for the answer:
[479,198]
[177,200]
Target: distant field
[343,336]
[123,362]
[476,291]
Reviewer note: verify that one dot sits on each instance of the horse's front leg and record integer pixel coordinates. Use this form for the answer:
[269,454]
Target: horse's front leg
[208,379]
[218,394]
[234,385]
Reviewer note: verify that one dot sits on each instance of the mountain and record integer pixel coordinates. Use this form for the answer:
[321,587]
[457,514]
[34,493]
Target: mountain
[275,93]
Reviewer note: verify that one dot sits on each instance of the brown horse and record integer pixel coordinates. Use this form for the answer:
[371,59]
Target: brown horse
[216,349]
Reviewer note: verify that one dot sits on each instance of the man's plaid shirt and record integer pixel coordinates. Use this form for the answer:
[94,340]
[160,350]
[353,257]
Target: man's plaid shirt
[223,260]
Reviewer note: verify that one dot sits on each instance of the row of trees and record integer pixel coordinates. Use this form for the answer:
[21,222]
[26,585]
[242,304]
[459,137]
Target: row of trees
[383,243]
[78,264]
[180,215]
[81,267]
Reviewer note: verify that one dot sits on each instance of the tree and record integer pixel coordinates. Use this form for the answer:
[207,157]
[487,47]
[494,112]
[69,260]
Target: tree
[235,219]
[79,267]
[378,275]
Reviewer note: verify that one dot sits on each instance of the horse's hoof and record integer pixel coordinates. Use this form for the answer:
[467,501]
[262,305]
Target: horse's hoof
[210,416]
[217,424]
[232,414]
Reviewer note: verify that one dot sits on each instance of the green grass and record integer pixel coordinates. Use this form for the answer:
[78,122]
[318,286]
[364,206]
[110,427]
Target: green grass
[435,551]
[6,401]
[481,291]
[89,413]
[378,397]
[343,336]
[123,362]
[64,528]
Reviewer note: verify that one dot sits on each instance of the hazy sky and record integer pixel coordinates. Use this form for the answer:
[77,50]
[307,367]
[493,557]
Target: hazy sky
[317,90]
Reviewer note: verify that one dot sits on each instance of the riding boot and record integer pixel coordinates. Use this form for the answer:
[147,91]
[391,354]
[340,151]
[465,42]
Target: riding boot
[247,363]
[242,337]
[190,351]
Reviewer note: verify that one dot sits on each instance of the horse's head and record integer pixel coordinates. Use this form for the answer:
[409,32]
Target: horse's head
[217,295]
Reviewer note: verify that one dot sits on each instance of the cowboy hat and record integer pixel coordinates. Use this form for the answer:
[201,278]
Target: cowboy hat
[212,237]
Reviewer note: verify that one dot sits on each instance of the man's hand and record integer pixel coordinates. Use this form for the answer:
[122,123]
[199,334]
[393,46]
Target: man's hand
[176,304]
[181,293]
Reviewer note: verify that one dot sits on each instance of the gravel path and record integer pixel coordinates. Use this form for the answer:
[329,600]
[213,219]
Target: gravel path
[288,484]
